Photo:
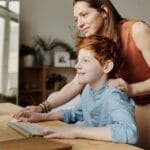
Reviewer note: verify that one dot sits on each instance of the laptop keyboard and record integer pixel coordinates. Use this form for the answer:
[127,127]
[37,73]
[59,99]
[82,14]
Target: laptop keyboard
[26,128]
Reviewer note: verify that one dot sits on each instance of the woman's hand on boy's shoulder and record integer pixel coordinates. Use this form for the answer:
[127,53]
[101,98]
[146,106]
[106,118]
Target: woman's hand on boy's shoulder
[120,84]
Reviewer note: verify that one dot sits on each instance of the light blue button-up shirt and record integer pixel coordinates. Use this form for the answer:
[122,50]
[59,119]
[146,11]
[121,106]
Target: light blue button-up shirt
[106,107]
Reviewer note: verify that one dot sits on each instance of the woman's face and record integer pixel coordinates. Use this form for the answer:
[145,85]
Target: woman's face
[89,20]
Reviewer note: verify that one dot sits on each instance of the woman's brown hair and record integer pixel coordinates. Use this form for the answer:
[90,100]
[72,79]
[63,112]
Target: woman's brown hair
[103,49]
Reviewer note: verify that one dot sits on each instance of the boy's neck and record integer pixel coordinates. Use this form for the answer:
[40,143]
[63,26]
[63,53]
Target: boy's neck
[98,83]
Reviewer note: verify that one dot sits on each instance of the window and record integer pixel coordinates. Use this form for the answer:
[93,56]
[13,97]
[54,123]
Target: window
[13,55]
[9,43]
[14,6]
[1,49]
[3,3]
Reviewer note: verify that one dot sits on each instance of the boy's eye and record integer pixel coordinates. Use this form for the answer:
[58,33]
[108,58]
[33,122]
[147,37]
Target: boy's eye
[85,60]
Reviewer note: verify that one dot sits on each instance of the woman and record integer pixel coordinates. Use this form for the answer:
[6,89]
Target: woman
[132,37]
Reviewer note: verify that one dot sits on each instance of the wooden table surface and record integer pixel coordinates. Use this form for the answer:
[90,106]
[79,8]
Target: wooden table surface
[7,133]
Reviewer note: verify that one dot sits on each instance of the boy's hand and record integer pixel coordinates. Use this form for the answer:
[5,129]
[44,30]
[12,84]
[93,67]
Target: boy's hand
[59,132]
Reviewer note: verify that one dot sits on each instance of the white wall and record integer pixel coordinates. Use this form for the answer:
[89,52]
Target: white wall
[134,8]
[53,17]
[46,17]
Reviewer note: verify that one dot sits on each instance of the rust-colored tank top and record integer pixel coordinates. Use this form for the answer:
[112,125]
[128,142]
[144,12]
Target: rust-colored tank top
[133,68]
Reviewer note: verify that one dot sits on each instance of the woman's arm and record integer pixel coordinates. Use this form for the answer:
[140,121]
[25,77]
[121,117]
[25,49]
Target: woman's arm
[134,89]
[141,37]
[66,93]
[63,96]
[139,88]
[36,117]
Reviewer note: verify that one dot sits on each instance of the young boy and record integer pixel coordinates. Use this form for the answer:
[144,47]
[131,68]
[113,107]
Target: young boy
[107,113]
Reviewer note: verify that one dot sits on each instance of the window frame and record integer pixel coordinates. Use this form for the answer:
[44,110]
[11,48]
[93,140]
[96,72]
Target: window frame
[8,16]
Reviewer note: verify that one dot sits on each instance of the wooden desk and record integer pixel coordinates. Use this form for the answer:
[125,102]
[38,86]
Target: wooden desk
[6,133]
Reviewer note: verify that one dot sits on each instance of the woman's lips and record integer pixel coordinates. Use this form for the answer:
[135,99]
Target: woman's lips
[84,30]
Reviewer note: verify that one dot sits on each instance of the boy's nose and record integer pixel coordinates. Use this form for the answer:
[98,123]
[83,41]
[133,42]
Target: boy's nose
[77,66]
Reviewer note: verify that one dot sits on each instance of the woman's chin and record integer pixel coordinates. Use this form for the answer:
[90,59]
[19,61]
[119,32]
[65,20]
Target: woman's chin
[87,34]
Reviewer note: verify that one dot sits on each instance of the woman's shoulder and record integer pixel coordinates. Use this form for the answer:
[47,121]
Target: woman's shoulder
[140,28]
[129,23]
[131,29]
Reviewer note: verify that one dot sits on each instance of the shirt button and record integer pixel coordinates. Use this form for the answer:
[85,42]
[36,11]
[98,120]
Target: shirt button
[94,116]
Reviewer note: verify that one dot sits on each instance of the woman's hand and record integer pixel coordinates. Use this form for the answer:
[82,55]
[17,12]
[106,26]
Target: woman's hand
[59,132]
[32,117]
[121,85]
[27,109]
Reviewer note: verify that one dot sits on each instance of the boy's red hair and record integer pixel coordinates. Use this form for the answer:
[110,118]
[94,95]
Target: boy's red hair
[103,49]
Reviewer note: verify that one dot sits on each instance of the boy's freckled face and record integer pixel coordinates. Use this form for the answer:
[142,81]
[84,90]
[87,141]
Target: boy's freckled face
[88,67]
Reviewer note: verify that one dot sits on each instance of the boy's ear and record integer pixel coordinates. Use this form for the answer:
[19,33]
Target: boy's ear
[108,66]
